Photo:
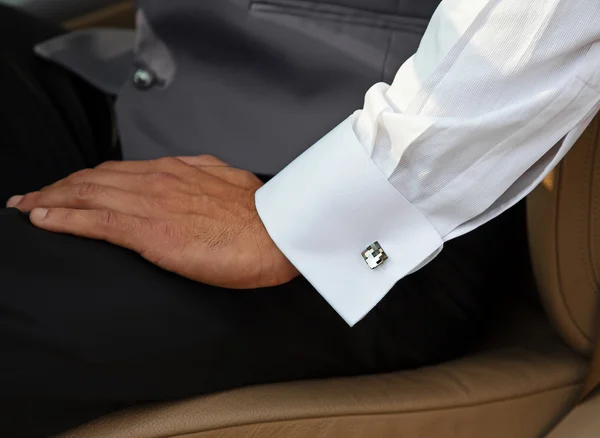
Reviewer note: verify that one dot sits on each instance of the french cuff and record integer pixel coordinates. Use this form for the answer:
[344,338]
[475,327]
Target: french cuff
[332,203]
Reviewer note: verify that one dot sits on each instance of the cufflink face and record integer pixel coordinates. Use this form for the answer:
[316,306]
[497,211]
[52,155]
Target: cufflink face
[374,255]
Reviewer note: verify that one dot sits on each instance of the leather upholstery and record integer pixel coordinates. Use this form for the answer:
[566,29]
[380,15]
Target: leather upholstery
[514,389]
[564,232]
[582,422]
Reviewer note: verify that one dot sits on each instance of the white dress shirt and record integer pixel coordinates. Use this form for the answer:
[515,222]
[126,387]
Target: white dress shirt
[495,96]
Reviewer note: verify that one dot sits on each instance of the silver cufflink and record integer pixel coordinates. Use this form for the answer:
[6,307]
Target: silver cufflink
[374,255]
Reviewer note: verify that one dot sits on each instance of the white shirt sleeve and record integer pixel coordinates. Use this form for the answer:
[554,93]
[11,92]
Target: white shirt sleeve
[497,93]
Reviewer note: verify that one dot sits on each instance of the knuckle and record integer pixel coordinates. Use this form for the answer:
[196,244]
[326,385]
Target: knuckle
[167,162]
[30,198]
[108,165]
[162,178]
[80,176]
[208,158]
[249,179]
[165,238]
[107,218]
[63,215]
[85,191]
[249,176]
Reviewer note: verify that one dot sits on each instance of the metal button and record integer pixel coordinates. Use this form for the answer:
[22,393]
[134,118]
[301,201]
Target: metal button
[144,79]
[374,255]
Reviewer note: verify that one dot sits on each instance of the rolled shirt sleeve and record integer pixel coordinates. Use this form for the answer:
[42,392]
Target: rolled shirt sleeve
[497,93]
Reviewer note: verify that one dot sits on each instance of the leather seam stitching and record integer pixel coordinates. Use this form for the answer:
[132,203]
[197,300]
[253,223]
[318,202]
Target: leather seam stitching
[559,180]
[593,201]
[583,234]
[584,216]
[444,408]
[557,231]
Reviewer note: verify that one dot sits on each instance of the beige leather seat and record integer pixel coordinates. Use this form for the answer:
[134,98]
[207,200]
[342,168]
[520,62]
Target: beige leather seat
[520,385]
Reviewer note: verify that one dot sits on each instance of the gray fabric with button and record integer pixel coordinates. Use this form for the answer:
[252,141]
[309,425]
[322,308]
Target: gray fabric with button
[253,82]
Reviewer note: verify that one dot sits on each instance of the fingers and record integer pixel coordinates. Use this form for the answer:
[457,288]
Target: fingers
[170,166]
[133,182]
[149,183]
[203,160]
[119,229]
[91,196]
[163,164]
[13,201]
[167,164]
[205,170]
[237,177]
[220,169]
[113,185]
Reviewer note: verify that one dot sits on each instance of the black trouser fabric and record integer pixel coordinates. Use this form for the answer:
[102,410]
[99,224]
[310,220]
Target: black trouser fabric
[87,328]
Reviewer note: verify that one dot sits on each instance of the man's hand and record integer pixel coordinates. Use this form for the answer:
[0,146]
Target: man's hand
[194,216]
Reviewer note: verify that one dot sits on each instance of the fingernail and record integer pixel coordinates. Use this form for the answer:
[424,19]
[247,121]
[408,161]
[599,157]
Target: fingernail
[38,214]
[14,201]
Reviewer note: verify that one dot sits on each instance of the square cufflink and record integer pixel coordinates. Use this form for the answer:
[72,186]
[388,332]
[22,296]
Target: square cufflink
[374,255]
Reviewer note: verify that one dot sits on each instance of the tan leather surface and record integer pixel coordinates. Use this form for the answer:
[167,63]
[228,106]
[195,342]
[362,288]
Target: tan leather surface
[517,418]
[564,233]
[592,381]
[582,422]
[521,388]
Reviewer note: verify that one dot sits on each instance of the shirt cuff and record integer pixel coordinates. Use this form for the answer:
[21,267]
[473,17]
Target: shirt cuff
[328,206]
